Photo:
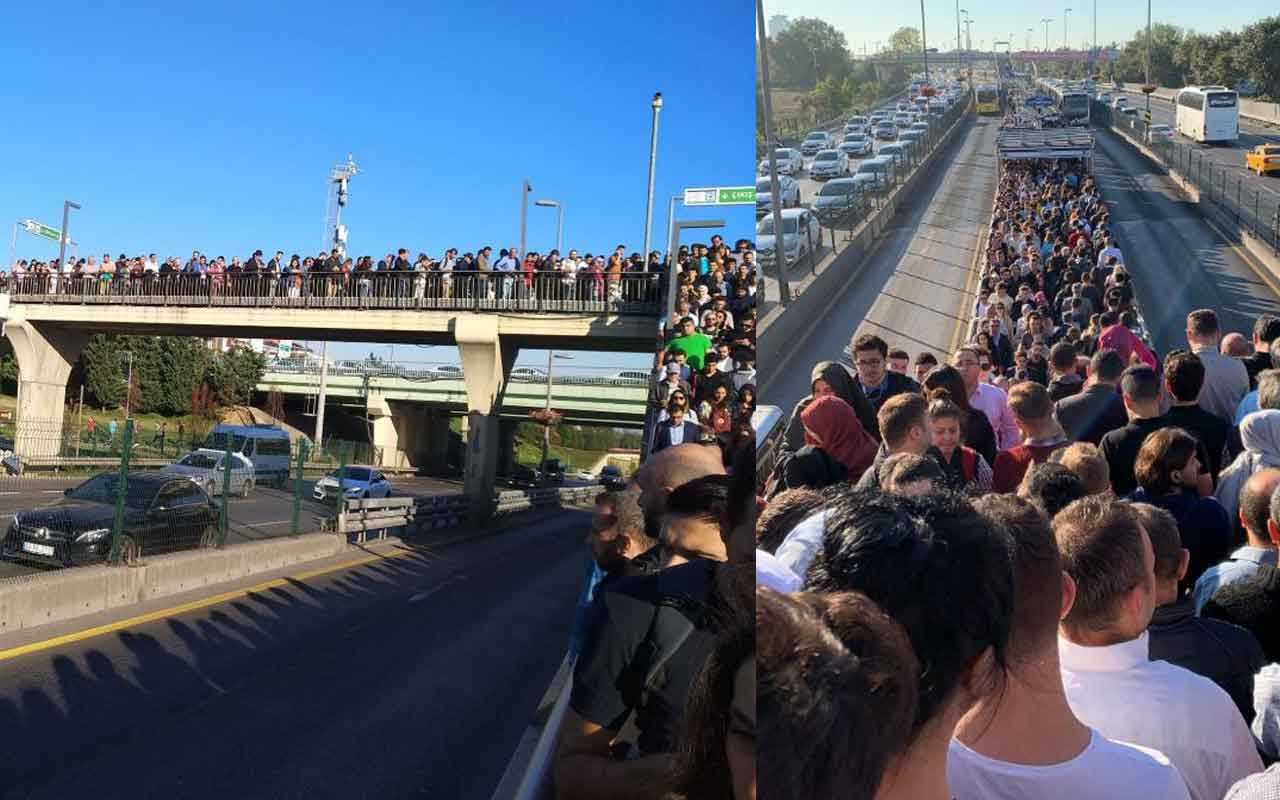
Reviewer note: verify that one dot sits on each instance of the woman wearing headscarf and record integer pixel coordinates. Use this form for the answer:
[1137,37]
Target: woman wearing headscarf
[829,377]
[1260,435]
[975,426]
[835,447]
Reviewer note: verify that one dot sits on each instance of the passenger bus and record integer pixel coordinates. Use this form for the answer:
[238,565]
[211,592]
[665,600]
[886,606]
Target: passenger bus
[1208,114]
[988,99]
[1074,107]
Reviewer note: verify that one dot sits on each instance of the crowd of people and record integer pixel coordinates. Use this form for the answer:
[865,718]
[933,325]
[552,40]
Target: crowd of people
[1041,566]
[705,384]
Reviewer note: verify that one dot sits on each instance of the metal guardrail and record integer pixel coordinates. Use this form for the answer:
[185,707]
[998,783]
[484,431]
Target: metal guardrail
[437,512]
[373,370]
[380,515]
[630,293]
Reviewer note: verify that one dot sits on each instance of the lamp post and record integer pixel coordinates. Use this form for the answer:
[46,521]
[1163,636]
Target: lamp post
[525,188]
[780,258]
[559,207]
[546,423]
[128,389]
[67,205]
[656,105]
[1065,13]
[1046,21]
[1146,67]
[958,48]
[924,43]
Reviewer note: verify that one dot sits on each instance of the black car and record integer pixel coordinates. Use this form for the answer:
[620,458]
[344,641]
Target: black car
[611,478]
[553,472]
[161,514]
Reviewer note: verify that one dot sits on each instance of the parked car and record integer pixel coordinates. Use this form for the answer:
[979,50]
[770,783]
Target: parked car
[789,162]
[521,476]
[788,193]
[529,374]
[1263,159]
[207,468]
[448,372]
[800,229]
[359,483]
[1159,133]
[611,478]
[829,164]
[162,513]
[815,141]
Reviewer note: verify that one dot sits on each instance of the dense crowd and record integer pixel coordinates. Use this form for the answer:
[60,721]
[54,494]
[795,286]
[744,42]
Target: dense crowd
[705,385]
[1041,566]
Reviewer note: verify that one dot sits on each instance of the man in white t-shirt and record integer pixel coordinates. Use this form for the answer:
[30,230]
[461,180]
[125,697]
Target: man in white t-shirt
[1108,251]
[1111,683]
[1023,742]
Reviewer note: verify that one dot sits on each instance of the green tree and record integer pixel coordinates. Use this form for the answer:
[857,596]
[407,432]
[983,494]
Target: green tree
[1210,59]
[905,40]
[1165,70]
[1259,55]
[103,377]
[233,375]
[808,50]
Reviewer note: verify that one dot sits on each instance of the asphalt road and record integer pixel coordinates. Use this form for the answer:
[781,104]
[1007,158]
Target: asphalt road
[1179,263]
[911,291]
[405,678]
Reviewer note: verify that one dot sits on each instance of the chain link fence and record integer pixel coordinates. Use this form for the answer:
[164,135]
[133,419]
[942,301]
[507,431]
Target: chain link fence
[1225,190]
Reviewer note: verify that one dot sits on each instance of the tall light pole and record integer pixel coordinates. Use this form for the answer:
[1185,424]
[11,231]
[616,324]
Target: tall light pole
[924,43]
[559,207]
[1029,38]
[656,105]
[1146,67]
[958,48]
[1095,25]
[1065,13]
[128,389]
[67,205]
[780,253]
[1046,21]
[968,44]
[546,428]
[525,188]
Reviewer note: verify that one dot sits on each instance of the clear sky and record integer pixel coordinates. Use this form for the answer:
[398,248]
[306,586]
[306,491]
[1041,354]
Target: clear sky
[213,126]
[867,23]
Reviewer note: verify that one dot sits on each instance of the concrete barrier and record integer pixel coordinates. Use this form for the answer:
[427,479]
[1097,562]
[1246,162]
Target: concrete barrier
[779,331]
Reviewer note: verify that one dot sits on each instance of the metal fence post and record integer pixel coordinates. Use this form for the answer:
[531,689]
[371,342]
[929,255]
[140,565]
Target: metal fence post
[122,487]
[341,496]
[297,486]
[223,518]
[1238,190]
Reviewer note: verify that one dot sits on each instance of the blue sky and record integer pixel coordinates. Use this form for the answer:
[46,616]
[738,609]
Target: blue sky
[190,125]
[867,23]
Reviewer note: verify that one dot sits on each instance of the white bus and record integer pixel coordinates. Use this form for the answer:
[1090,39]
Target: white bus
[1208,114]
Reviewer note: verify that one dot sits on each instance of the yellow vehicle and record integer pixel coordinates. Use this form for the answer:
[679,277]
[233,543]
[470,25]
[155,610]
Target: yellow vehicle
[987,98]
[1263,158]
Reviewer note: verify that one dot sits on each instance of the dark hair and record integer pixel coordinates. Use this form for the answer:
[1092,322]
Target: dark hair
[1140,382]
[899,415]
[935,565]
[1162,452]
[628,517]
[1029,401]
[903,468]
[1063,356]
[1108,318]
[1051,487]
[942,406]
[704,498]
[1166,541]
[1202,322]
[785,511]
[830,722]
[1255,506]
[1100,539]
[898,352]
[1184,374]
[1107,365]
[925,357]
[1266,328]
[948,377]
[1037,572]
[869,341]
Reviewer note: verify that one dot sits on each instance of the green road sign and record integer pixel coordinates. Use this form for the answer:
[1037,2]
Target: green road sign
[720,196]
[40,229]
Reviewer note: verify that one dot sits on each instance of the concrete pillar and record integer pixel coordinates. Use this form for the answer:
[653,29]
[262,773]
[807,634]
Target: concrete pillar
[507,445]
[436,457]
[45,355]
[486,363]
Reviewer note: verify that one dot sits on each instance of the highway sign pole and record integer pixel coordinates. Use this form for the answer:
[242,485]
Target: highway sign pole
[656,105]
[780,253]
[67,205]
[297,486]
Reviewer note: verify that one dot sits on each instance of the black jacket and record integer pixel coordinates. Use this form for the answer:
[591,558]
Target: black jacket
[1253,604]
[895,383]
[1224,653]
[847,389]
[662,440]
[1254,364]
[812,467]
[1087,416]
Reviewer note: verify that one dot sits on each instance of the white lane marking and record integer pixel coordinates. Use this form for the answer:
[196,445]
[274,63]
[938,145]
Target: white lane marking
[437,588]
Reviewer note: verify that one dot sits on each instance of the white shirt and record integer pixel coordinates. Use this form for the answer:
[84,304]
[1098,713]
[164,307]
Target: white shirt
[1266,704]
[677,434]
[1107,252]
[773,573]
[801,544]
[1126,696]
[1104,770]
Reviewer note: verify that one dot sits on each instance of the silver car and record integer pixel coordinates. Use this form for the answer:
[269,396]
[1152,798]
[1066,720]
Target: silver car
[829,164]
[788,192]
[207,469]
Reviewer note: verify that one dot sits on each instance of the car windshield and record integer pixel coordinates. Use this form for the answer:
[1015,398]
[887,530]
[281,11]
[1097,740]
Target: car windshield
[200,460]
[855,139]
[827,155]
[102,489]
[836,189]
[789,224]
[782,155]
[353,474]
[814,137]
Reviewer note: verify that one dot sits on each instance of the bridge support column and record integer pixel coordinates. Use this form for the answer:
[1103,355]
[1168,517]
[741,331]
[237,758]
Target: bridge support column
[507,445]
[486,363]
[437,441]
[45,355]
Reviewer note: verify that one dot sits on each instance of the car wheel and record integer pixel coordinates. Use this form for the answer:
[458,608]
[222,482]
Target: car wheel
[129,551]
[209,539]
[246,488]
[208,488]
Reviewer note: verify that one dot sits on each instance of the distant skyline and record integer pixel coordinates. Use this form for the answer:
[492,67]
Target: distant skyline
[865,24]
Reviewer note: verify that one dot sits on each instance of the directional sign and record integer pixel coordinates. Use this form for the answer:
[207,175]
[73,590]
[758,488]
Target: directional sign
[1146,115]
[40,229]
[721,196]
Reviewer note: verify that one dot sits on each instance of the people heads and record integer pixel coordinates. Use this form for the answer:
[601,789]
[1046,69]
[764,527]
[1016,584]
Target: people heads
[910,475]
[1167,463]
[949,379]
[1107,554]
[1032,408]
[668,469]
[899,360]
[1255,505]
[1051,487]
[903,424]
[1088,464]
[1235,345]
[1265,330]
[968,363]
[1202,328]
[617,532]
[785,511]
[1169,558]
[1062,357]
[691,518]
[1140,389]
[870,354]
[1269,388]
[945,422]
[1183,375]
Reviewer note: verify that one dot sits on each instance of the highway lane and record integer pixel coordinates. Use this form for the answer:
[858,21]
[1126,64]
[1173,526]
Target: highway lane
[1179,262]
[913,289]
[413,677]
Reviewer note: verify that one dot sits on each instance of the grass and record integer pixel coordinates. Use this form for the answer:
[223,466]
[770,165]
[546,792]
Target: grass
[530,453]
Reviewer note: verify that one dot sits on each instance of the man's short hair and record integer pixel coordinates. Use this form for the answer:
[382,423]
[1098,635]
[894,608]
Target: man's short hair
[1037,572]
[1063,357]
[901,469]
[898,352]
[1030,402]
[925,357]
[1202,322]
[1166,541]
[869,341]
[1267,328]
[1051,487]
[1269,389]
[1184,375]
[1107,365]
[1255,502]
[1088,463]
[783,513]
[1100,539]
[628,518]
[899,415]
[1140,382]
[1108,318]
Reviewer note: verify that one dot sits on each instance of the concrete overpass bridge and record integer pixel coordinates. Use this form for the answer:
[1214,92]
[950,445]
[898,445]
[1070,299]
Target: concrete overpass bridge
[488,317]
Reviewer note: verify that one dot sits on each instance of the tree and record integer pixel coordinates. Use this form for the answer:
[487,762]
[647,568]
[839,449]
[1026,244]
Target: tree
[1210,59]
[905,40]
[1259,55]
[1165,71]
[233,375]
[103,378]
[807,51]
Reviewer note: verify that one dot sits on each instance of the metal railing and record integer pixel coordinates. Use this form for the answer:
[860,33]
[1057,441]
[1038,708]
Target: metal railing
[434,372]
[1224,190]
[629,293]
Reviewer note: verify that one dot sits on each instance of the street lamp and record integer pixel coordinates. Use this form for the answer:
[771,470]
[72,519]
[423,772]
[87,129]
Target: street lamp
[1065,13]
[656,105]
[1046,21]
[1146,68]
[924,43]
[559,217]
[546,423]
[67,205]
[128,389]
[784,289]
[525,188]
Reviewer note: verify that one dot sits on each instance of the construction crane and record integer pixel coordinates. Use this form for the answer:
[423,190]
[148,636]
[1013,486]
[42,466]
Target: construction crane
[335,233]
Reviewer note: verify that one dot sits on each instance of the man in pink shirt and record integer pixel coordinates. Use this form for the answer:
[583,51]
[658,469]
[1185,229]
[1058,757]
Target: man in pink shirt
[1124,341]
[990,400]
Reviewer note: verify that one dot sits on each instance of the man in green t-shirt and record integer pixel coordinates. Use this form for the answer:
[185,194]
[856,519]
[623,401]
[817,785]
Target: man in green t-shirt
[694,345]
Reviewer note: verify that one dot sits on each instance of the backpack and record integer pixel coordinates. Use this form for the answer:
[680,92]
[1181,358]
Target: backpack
[968,464]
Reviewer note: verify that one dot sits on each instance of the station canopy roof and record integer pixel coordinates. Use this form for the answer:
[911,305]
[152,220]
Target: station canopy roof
[1014,144]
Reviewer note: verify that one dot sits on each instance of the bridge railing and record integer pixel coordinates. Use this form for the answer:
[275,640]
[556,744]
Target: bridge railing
[436,372]
[629,293]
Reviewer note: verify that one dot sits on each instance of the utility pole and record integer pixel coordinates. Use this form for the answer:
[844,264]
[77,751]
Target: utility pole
[128,381]
[1066,12]
[924,43]
[1146,68]
[525,188]
[656,105]
[957,29]
[779,249]
[320,400]
[1046,21]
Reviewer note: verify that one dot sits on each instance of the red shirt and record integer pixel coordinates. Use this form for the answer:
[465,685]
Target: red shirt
[1012,464]
[1125,342]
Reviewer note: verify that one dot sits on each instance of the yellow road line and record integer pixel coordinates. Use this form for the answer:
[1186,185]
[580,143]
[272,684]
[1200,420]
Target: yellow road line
[89,633]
